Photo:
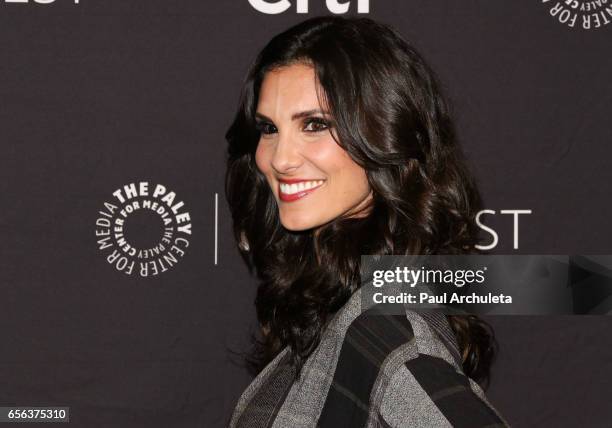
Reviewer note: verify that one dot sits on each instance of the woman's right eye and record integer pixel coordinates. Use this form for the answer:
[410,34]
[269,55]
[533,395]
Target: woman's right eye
[265,128]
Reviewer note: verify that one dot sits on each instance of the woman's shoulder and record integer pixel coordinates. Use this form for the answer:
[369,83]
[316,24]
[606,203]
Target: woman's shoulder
[374,364]
[417,379]
[373,344]
[402,367]
[383,329]
[428,391]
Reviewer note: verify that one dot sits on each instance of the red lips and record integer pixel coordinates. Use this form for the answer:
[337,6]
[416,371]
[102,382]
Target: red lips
[286,197]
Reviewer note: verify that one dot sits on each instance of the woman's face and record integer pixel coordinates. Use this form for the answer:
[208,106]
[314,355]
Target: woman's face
[312,178]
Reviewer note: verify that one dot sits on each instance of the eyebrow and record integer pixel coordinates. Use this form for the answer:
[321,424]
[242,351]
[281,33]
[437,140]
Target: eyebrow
[296,116]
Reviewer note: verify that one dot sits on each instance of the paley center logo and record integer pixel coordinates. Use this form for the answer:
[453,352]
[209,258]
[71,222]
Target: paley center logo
[144,229]
[273,7]
[581,13]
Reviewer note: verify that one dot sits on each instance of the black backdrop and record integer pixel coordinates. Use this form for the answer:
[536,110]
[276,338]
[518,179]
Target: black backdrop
[100,94]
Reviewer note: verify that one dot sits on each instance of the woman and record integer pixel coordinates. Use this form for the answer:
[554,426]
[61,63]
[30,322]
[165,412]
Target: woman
[343,146]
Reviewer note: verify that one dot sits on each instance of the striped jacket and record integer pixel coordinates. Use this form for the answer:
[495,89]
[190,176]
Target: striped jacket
[371,369]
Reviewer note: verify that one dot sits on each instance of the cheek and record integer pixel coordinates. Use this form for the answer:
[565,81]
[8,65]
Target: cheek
[328,156]
[341,168]
[355,182]
[262,158]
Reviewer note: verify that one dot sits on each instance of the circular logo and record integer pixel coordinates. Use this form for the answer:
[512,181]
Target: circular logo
[583,14]
[144,230]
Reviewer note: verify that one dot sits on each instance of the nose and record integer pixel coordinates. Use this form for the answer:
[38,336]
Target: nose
[286,157]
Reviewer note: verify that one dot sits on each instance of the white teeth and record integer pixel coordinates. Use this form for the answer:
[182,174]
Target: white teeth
[290,189]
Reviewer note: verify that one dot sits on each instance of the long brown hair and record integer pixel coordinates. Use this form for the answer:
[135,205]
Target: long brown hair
[391,118]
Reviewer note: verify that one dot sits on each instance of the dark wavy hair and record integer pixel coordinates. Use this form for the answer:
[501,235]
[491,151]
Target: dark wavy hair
[392,119]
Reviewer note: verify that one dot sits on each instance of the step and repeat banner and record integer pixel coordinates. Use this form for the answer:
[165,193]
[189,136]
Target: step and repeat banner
[123,297]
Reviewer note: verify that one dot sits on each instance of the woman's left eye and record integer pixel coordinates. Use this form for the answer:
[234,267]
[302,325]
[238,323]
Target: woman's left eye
[315,125]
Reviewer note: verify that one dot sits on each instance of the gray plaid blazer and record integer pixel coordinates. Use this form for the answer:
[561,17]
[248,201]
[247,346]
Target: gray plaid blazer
[371,369]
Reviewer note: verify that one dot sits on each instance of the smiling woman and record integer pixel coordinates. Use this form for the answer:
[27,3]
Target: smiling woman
[312,178]
[343,146]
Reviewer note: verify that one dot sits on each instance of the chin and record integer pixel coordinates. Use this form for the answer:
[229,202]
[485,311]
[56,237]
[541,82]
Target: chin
[295,224]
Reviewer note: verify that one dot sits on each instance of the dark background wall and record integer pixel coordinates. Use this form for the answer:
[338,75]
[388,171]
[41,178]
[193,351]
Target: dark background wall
[105,93]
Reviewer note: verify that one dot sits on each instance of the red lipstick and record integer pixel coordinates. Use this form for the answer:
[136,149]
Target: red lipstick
[299,194]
